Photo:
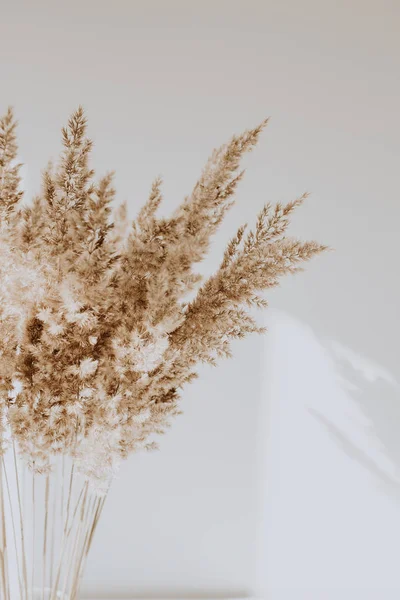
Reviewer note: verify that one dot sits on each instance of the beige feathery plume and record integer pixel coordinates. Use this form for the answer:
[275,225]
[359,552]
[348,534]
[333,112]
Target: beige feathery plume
[96,339]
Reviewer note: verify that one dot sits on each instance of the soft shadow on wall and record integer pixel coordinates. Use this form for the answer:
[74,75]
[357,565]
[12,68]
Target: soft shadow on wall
[375,445]
[331,499]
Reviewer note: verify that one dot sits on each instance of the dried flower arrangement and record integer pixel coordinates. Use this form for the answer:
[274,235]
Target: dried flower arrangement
[96,337]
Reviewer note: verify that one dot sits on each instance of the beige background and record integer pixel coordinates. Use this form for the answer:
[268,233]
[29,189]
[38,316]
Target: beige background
[163,82]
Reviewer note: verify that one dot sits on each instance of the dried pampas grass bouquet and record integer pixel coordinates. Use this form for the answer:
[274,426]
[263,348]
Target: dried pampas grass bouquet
[97,337]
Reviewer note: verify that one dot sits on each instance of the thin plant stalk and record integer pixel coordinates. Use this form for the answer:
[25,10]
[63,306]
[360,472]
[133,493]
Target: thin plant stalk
[13,527]
[21,522]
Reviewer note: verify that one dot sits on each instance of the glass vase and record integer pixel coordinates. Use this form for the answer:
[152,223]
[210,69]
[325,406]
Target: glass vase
[47,522]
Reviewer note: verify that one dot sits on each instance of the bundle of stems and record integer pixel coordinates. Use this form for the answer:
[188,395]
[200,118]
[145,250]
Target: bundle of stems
[46,530]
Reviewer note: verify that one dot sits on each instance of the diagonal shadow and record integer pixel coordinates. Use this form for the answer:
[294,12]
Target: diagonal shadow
[374,393]
[356,453]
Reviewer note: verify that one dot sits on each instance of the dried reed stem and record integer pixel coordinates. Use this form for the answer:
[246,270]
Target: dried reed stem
[46,512]
[65,537]
[21,522]
[3,558]
[33,532]
[13,526]
[53,521]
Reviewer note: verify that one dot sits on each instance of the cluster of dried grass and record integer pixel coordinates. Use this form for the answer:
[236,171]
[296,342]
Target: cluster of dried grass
[96,338]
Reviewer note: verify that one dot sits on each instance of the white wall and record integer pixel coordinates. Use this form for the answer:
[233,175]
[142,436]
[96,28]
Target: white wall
[332,523]
[163,82]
